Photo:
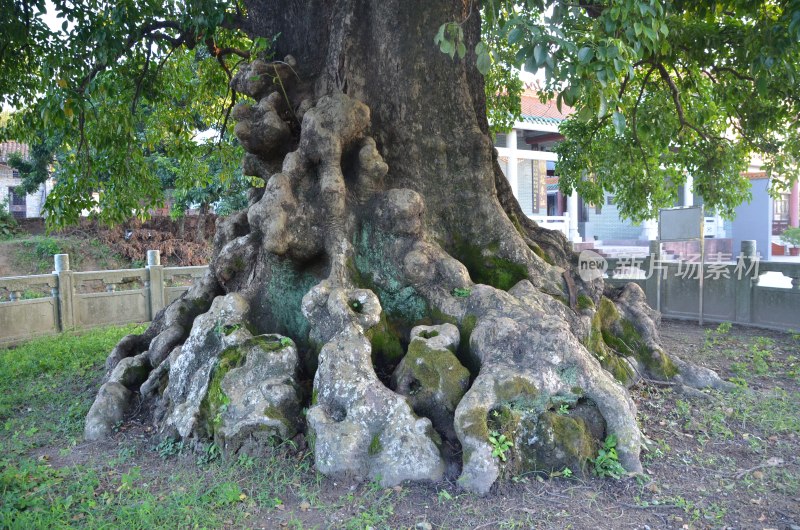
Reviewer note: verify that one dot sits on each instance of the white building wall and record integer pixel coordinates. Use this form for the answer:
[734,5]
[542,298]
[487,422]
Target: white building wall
[33,202]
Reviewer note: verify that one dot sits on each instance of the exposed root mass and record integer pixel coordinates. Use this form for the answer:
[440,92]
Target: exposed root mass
[331,271]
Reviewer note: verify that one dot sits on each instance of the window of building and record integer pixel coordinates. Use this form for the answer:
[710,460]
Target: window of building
[16,198]
[16,203]
[780,214]
[780,211]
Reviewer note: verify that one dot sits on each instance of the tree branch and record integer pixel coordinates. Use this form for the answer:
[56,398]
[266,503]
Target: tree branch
[634,131]
[677,101]
[152,30]
[140,81]
[733,72]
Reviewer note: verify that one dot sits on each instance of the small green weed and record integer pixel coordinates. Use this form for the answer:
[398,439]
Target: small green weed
[566,473]
[245,461]
[210,454]
[169,447]
[462,292]
[714,336]
[761,354]
[500,445]
[444,496]
[606,464]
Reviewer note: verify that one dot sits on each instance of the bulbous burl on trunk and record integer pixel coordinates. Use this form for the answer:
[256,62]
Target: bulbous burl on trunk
[384,210]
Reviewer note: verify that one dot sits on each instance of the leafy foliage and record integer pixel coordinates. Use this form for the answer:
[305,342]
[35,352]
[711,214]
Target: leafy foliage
[142,81]
[661,90]
[791,236]
[8,225]
[606,464]
[500,445]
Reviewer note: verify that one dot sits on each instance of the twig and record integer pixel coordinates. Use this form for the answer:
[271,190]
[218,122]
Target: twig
[486,525]
[769,463]
[651,506]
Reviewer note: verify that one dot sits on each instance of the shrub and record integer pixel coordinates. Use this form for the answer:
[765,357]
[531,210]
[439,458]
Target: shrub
[791,236]
[8,225]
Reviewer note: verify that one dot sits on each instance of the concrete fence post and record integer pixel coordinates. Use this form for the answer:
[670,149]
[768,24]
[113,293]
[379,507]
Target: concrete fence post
[66,292]
[155,282]
[744,283]
[652,263]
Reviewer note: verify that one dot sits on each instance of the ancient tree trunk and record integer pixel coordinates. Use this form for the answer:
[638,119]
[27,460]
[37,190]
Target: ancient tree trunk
[386,278]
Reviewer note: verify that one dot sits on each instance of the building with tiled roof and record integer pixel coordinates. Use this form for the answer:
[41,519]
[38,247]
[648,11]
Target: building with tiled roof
[9,148]
[526,157]
[20,204]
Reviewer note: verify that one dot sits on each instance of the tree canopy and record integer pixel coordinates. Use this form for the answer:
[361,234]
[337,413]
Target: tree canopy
[660,90]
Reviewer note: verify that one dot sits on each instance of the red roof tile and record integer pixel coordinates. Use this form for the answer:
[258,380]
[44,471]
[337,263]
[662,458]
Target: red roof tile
[531,106]
[9,148]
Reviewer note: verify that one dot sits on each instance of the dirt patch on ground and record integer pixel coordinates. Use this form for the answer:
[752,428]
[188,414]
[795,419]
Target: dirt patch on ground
[96,247]
[715,461]
[181,243]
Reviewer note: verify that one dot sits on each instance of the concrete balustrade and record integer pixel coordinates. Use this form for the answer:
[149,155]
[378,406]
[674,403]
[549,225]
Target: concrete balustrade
[733,291]
[126,296]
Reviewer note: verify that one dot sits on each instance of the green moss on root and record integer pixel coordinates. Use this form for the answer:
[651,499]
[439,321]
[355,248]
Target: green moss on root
[375,446]
[561,441]
[488,268]
[656,361]
[604,318]
[274,413]
[385,341]
[584,302]
[611,336]
[437,370]
[473,423]
[271,342]
[373,269]
[216,401]
[541,253]
[516,389]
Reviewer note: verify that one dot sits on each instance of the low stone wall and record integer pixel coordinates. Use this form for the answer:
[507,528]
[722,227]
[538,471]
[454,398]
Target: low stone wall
[67,300]
[732,291]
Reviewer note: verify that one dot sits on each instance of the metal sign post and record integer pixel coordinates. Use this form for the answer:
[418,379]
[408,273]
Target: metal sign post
[683,224]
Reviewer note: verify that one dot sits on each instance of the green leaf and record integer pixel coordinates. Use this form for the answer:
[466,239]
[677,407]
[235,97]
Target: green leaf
[603,106]
[440,34]
[540,54]
[585,55]
[619,122]
[515,35]
[483,60]
[447,47]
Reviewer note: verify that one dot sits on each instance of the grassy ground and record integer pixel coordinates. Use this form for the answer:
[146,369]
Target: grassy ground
[717,460]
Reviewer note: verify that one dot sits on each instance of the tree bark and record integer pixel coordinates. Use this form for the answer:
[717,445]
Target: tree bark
[386,278]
